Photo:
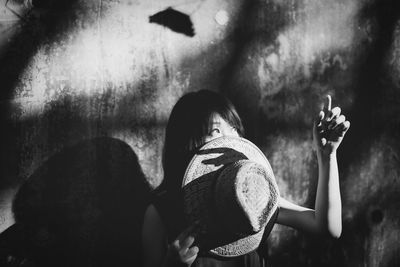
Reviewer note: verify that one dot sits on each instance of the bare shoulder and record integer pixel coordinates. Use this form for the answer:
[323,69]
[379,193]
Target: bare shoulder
[152,222]
[151,212]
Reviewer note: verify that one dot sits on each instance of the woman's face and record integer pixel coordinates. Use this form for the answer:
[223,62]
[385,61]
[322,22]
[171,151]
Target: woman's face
[219,128]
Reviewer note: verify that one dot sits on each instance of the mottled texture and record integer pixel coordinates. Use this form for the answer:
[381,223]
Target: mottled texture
[74,70]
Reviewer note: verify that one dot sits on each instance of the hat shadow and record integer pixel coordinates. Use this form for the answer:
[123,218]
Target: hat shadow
[84,206]
[228,155]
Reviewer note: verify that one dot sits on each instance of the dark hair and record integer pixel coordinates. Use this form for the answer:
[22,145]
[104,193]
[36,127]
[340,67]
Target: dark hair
[190,121]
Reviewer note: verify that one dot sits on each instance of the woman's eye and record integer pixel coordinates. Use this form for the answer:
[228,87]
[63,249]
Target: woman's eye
[215,131]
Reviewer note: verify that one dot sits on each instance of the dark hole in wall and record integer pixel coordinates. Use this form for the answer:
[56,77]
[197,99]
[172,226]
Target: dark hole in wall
[376,216]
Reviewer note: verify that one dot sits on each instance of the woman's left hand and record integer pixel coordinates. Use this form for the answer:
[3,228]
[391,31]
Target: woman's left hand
[329,129]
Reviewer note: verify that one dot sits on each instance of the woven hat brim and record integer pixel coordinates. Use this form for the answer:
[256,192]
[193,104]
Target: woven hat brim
[205,166]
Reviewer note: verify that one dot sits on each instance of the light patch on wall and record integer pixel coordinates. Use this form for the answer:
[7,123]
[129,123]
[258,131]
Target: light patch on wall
[394,56]
[320,28]
[222,17]
[119,50]
[327,26]
[290,158]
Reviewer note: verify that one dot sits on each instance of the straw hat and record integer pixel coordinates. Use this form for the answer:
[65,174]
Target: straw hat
[230,190]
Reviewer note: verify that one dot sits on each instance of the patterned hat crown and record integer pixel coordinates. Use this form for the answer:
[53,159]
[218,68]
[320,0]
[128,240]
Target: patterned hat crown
[229,187]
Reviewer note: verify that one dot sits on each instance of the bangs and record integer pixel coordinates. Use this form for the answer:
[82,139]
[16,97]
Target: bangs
[201,130]
[216,105]
[189,124]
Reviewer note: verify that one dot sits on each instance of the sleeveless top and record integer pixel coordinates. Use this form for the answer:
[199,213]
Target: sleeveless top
[171,213]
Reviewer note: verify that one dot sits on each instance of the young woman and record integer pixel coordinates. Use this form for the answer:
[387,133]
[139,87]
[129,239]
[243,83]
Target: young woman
[200,117]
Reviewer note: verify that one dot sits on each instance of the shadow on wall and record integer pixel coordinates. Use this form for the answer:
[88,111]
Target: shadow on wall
[260,21]
[373,114]
[82,207]
[53,18]
[375,109]
[41,25]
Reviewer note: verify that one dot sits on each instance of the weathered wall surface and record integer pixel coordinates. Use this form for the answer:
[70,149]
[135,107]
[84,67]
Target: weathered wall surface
[77,70]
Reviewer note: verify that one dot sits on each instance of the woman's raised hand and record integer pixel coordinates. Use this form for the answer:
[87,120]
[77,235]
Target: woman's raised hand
[181,252]
[329,128]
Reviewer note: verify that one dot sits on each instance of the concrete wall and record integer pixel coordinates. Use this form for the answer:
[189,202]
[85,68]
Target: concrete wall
[77,70]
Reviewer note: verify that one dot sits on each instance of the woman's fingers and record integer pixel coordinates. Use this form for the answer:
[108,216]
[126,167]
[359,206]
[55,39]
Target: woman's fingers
[335,122]
[321,115]
[187,242]
[346,125]
[329,112]
[342,128]
[328,103]
[185,239]
[330,125]
[185,233]
[182,250]
[333,114]
[191,254]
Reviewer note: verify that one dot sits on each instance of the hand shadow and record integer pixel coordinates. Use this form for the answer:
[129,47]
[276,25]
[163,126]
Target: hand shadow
[229,155]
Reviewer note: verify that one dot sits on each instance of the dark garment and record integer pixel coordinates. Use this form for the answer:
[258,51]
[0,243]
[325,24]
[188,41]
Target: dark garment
[252,259]
[171,213]
[15,248]
[22,246]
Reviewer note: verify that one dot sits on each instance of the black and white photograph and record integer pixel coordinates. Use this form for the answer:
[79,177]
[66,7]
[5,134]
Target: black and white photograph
[200,133]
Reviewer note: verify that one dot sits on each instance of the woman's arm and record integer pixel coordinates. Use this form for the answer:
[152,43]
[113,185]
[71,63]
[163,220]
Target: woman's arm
[154,238]
[327,216]
[329,130]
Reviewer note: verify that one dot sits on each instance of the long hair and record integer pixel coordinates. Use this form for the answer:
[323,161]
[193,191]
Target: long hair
[190,121]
